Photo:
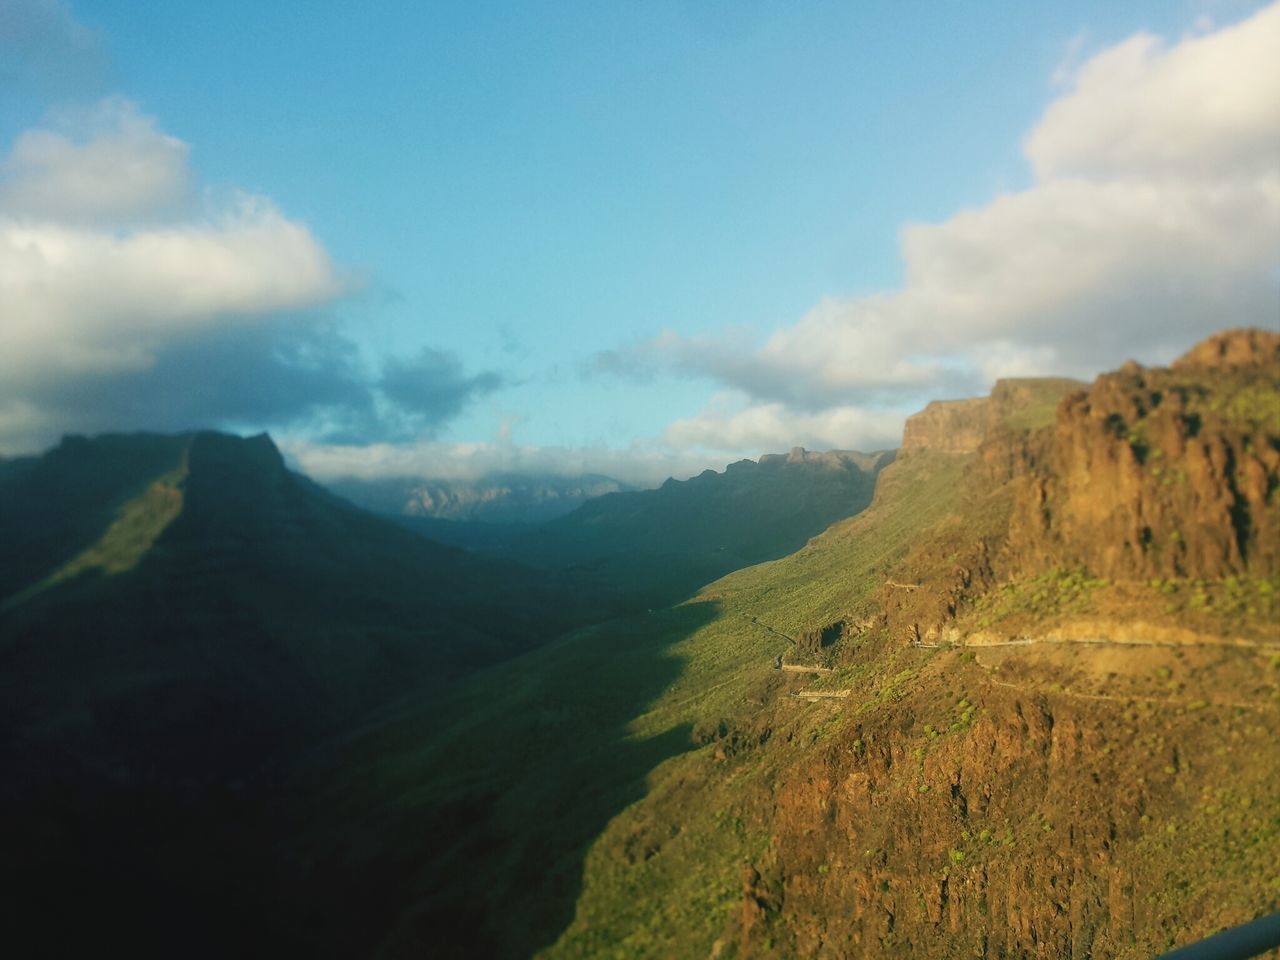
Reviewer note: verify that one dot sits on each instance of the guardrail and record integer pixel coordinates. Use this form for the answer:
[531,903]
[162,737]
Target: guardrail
[1238,943]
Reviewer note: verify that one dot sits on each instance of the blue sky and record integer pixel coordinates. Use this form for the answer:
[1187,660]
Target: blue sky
[602,235]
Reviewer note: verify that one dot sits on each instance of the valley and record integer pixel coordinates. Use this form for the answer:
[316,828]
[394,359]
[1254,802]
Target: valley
[687,480]
[1086,794]
[974,718]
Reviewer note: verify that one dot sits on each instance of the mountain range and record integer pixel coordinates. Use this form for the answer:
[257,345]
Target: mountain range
[1012,690]
[495,499]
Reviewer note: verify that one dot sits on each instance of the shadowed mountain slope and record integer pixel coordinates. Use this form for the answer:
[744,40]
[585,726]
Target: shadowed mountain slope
[213,530]
[181,615]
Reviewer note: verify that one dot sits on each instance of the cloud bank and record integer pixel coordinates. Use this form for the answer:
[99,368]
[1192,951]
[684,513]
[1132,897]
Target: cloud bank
[129,299]
[1152,219]
[732,422]
[433,387]
[108,164]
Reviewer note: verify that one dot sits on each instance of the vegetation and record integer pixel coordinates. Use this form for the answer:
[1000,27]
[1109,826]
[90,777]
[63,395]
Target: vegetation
[1041,598]
[375,745]
[654,547]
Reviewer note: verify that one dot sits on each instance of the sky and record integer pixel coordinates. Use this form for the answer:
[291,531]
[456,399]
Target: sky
[446,239]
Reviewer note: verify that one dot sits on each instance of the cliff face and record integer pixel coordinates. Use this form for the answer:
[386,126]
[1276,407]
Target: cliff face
[1147,476]
[948,426]
[1163,472]
[1001,817]
[962,426]
[1243,348]
[1042,797]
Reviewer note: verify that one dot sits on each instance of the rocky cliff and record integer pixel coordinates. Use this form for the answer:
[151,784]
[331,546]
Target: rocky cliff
[961,426]
[1017,815]
[1162,472]
[1148,495]
[948,426]
[1085,773]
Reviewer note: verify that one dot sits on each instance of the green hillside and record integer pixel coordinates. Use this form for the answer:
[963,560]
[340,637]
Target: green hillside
[1000,711]
[571,734]
[654,786]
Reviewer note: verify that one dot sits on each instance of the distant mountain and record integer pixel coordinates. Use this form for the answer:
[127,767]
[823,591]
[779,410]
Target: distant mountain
[654,546]
[499,498]
[749,511]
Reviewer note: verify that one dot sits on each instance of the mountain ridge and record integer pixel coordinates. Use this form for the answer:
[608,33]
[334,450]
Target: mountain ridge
[499,498]
[997,734]
[1035,792]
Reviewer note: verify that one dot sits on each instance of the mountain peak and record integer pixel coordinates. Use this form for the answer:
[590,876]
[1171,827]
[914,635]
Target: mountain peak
[209,449]
[1242,347]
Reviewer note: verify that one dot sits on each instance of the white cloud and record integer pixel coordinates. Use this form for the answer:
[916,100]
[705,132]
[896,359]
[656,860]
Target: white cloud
[1153,220]
[1206,106]
[729,429]
[730,423]
[92,284]
[108,165]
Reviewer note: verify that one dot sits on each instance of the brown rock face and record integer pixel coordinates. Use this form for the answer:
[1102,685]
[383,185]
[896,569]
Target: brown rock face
[1049,826]
[924,613]
[1161,473]
[948,426]
[961,426]
[1233,348]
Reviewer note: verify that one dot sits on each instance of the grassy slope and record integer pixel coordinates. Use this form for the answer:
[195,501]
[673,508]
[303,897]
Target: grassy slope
[655,547]
[629,772]
[571,735]
[58,505]
[678,902]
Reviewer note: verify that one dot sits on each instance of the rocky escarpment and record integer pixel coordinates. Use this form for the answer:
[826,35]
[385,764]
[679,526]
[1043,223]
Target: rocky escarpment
[949,426]
[962,426]
[1031,795]
[981,817]
[1161,472]
[1233,349]
[1147,476]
